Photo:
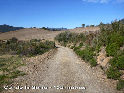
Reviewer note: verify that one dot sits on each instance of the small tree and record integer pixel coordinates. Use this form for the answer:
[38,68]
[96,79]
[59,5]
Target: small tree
[45,28]
[91,25]
[14,39]
[87,25]
[83,25]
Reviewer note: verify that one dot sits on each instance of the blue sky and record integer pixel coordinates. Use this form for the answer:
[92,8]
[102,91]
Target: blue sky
[59,13]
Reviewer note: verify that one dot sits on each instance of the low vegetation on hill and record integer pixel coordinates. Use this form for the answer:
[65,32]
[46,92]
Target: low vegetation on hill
[25,48]
[17,50]
[110,36]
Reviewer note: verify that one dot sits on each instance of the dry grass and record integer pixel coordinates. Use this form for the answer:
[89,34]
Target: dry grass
[34,33]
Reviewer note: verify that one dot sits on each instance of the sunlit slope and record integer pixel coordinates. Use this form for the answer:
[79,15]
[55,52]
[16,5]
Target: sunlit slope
[27,34]
[34,33]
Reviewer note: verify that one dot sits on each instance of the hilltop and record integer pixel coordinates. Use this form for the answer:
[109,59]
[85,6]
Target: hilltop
[85,29]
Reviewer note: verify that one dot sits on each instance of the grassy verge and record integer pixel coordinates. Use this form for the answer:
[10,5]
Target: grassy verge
[87,54]
[8,70]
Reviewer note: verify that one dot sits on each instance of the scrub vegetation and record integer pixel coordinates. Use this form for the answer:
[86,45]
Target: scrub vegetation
[110,36]
[25,48]
[17,50]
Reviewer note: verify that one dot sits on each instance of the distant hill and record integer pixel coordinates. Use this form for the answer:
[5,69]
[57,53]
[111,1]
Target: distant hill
[56,29]
[7,28]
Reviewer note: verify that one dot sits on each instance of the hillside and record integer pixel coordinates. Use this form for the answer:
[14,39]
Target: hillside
[29,33]
[34,33]
[85,30]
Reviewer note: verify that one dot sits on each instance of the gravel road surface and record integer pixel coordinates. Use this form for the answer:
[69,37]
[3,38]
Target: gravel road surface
[65,72]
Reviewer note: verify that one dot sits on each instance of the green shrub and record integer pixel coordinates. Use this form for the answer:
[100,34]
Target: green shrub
[111,33]
[49,44]
[76,48]
[41,48]
[68,37]
[118,62]
[2,78]
[81,44]
[26,48]
[63,37]
[13,40]
[97,48]
[112,49]
[88,54]
[113,73]
[79,52]
[116,38]
[81,37]
[34,40]
[93,62]
[120,85]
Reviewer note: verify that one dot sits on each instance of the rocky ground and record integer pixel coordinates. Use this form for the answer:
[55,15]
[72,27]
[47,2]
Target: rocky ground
[62,71]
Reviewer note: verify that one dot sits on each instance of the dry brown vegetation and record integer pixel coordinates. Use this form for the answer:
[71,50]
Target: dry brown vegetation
[29,33]
[34,33]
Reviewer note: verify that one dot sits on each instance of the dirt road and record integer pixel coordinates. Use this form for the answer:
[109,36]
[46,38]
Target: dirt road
[66,69]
